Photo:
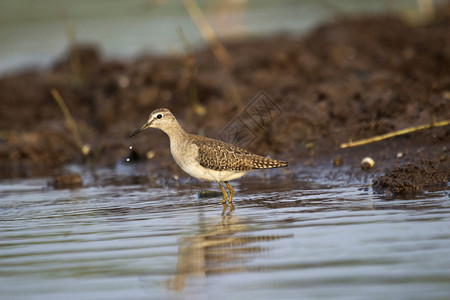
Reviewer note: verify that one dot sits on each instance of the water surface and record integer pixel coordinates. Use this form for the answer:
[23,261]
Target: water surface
[122,237]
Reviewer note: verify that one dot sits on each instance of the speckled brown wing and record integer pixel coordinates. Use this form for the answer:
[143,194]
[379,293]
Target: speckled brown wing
[221,156]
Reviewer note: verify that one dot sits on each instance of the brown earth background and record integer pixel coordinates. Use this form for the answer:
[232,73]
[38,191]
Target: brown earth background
[352,78]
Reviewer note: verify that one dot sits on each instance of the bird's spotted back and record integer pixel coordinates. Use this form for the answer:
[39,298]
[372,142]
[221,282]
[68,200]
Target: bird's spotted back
[221,156]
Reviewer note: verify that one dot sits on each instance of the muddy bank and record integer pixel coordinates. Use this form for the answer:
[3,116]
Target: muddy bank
[349,79]
[411,178]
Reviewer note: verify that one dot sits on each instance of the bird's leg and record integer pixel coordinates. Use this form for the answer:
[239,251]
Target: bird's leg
[231,191]
[225,195]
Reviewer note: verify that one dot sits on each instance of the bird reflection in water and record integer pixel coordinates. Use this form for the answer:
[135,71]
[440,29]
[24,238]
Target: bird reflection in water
[221,250]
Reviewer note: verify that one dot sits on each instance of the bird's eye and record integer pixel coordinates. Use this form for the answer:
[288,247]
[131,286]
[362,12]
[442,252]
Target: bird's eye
[159,116]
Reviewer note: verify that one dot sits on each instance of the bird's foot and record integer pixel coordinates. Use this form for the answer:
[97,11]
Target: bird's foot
[224,200]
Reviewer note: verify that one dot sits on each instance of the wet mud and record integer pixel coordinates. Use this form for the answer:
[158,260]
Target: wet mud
[349,79]
[411,178]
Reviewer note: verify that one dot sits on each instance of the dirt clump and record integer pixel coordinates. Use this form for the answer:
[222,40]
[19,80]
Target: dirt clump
[412,178]
[64,181]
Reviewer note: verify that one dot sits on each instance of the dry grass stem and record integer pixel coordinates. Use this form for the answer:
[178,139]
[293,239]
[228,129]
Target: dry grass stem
[394,134]
[75,60]
[216,46]
[70,122]
[208,33]
[191,65]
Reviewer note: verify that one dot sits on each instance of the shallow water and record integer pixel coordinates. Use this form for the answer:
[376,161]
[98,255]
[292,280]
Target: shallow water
[122,237]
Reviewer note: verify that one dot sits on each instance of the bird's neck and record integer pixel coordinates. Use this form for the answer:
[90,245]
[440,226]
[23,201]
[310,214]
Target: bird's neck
[175,131]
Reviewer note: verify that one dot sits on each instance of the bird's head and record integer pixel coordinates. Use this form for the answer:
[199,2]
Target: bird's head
[161,118]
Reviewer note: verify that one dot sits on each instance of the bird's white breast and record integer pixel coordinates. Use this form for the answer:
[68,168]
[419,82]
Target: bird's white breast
[185,155]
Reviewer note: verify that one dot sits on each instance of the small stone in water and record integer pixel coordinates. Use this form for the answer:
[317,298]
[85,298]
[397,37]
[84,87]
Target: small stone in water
[337,161]
[367,163]
[72,180]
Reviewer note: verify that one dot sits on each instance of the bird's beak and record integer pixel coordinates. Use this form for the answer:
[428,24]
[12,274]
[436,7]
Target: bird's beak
[143,127]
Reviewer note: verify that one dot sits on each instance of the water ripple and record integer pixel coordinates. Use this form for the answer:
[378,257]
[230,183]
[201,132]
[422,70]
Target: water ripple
[298,237]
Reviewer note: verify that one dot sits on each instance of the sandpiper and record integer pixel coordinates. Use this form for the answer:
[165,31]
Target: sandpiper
[205,158]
